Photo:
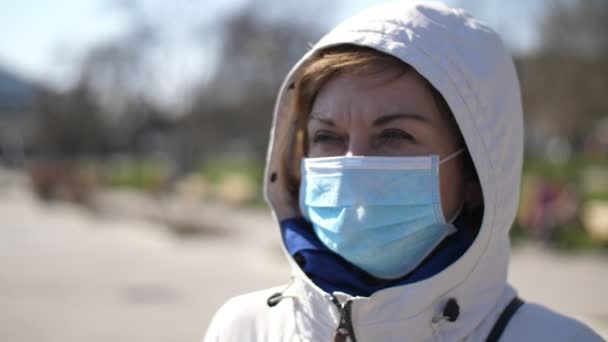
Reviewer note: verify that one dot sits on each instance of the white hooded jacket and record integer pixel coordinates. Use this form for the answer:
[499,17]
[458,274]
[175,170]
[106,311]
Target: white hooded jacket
[467,63]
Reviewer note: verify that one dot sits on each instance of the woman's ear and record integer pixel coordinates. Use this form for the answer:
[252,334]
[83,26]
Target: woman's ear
[473,205]
[473,197]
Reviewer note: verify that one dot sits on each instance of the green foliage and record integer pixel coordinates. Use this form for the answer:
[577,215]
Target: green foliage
[574,239]
[250,173]
[517,234]
[568,171]
[136,174]
[599,196]
[216,171]
[587,178]
[573,171]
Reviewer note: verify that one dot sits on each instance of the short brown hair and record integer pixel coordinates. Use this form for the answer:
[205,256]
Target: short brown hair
[358,60]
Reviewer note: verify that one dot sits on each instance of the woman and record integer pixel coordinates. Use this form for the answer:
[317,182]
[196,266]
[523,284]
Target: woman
[394,169]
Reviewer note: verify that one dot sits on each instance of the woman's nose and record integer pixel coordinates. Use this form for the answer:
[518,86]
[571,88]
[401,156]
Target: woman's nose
[358,147]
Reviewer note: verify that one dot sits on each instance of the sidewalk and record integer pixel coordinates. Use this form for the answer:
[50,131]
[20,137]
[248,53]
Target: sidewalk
[67,274]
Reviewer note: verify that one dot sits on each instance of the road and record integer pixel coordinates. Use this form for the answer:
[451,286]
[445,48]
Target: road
[68,274]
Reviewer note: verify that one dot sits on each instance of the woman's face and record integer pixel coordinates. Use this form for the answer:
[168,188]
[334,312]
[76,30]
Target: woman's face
[386,115]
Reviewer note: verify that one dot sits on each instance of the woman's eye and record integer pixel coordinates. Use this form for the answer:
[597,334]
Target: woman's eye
[323,137]
[396,134]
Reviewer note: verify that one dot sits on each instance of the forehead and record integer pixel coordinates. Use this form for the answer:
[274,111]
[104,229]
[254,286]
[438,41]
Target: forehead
[368,96]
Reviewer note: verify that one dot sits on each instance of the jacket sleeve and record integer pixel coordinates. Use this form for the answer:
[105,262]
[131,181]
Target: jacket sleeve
[249,318]
[212,334]
[534,322]
[242,318]
[215,326]
[587,335]
[232,322]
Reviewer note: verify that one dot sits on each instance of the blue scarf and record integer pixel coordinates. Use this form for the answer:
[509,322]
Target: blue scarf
[332,273]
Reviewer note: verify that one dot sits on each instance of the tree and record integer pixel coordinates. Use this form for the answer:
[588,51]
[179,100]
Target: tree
[70,125]
[576,28]
[235,107]
[564,83]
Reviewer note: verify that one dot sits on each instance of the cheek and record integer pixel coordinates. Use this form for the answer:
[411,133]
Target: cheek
[451,182]
[315,152]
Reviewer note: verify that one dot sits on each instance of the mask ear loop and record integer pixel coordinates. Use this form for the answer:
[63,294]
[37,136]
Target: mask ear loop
[452,156]
[458,212]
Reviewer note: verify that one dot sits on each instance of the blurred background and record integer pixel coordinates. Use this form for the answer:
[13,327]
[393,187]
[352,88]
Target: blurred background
[133,135]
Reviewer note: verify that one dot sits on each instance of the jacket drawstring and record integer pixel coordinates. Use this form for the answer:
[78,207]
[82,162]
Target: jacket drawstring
[450,312]
[276,297]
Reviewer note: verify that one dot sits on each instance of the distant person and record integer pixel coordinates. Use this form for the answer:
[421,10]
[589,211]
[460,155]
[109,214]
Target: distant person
[394,170]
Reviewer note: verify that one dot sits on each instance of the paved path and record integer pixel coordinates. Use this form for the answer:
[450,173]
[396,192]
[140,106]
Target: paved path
[69,275]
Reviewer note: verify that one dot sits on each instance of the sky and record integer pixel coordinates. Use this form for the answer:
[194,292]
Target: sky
[44,40]
[35,35]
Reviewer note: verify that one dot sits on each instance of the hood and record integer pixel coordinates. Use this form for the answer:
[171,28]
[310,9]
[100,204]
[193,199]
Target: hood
[468,64]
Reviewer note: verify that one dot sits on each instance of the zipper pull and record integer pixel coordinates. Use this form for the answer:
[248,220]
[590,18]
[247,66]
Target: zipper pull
[344,331]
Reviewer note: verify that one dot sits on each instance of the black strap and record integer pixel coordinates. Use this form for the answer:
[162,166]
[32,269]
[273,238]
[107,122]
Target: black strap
[503,320]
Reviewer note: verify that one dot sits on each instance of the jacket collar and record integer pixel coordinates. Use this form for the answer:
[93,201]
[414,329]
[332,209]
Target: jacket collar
[332,273]
[410,312]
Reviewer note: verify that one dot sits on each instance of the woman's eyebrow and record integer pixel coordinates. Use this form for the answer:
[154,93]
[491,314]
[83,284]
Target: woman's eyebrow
[320,117]
[385,119]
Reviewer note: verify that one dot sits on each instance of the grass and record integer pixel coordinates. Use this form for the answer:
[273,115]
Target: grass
[569,171]
[136,174]
[216,171]
[584,175]
[248,174]
[575,239]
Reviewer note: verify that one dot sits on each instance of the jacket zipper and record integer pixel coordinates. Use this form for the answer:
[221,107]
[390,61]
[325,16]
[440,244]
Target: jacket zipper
[344,331]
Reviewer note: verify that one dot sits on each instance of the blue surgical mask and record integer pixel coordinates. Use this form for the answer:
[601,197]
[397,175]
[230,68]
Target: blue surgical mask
[382,214]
